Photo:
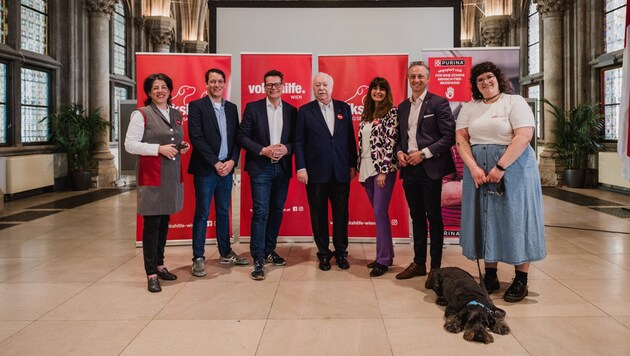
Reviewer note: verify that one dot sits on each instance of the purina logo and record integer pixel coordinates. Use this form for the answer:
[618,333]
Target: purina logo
[357,102]
[449,62]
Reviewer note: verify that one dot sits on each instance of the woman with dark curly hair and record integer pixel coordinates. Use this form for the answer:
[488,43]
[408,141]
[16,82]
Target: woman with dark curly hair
[156,135]
[502,214]
[378,132]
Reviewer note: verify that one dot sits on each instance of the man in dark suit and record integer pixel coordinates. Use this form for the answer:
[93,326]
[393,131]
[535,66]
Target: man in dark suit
[326,158]
[267,134]
[426,134]
[213,131]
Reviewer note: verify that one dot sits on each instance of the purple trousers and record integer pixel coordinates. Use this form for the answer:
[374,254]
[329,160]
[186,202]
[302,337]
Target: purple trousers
[380,198]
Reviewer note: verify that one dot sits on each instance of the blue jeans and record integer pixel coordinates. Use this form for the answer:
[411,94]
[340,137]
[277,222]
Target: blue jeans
[205,188]
[269,192]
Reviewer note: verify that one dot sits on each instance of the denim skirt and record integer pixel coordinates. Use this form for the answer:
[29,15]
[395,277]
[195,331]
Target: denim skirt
[503,222]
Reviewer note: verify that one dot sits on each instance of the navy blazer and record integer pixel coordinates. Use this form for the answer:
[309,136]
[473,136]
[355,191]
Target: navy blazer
[325,156]
[254,136]
[205,137]
[436,131]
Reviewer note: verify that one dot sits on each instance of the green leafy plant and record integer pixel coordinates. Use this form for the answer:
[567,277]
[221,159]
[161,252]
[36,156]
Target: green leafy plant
[76,132]
[578,133]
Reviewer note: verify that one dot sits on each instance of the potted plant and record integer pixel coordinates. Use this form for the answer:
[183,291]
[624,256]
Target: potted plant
[578,134]
[76,132]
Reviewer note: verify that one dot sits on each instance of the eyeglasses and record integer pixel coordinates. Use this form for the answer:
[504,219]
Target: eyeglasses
[487,78]
[500,188]
[215,81]
[273,85]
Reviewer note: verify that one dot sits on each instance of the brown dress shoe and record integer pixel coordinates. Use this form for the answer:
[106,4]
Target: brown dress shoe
[411,271]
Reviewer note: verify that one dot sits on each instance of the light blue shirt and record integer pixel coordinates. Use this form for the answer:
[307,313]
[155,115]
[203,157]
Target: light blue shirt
[219,110]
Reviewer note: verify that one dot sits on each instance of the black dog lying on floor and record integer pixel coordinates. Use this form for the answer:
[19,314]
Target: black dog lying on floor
[468,307]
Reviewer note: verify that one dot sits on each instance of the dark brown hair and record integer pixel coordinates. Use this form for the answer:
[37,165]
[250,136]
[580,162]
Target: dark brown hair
[369,111]
[148,84]
[484,67]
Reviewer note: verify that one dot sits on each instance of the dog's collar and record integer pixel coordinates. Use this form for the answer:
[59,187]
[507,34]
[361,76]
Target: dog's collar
[474,303]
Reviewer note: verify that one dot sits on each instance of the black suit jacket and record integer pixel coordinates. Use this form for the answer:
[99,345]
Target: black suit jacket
[254,136]
[205,137]
[325,156]
[436,131]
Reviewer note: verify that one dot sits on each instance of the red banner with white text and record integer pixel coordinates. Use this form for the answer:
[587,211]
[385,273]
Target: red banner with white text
[296,69]
[352,75]
[449,77]
[188,74]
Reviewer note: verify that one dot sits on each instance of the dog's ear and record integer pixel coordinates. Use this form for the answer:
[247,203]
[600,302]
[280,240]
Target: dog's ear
[500,313]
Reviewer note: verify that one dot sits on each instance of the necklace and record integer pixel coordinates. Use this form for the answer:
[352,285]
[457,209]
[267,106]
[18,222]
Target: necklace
[485,101]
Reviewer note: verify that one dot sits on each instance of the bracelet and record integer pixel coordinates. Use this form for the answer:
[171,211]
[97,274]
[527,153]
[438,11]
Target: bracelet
[500,167]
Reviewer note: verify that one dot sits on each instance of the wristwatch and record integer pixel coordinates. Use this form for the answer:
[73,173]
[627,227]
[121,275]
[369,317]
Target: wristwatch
[423,155]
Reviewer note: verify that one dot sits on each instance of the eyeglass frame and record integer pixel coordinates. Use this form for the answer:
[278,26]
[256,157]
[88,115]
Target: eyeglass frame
[273,85]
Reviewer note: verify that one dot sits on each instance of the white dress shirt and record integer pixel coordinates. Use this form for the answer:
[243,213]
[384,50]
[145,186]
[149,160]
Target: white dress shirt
[135,133]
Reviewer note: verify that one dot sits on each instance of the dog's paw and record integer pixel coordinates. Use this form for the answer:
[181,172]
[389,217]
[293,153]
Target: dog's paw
[501,328]
[441,301]
[453,325]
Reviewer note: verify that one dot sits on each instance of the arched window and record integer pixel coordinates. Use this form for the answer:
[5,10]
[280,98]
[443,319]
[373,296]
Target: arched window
[121,82]
[120,36]
[533,40]
[35,83]
[614,32]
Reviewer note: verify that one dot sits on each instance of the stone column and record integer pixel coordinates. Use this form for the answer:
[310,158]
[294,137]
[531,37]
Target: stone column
[494,30]
[195,46]
[100,13]
[552,14]
[161,30]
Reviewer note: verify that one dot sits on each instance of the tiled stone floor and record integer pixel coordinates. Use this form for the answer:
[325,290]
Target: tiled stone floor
[72,283]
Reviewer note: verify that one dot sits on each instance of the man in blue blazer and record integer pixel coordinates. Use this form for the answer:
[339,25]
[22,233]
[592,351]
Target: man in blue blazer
[213,131]
[326,158]
[267,134]
[426,134]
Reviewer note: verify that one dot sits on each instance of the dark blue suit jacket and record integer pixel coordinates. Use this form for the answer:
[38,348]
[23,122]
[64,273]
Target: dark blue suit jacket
[325,156]
[436,131]
[205,137]
[254,136]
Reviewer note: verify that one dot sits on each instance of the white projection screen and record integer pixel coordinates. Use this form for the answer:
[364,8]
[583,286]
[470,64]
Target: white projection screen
[331,27]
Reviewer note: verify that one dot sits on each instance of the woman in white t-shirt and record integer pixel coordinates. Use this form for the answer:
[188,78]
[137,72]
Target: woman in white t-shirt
[502,214]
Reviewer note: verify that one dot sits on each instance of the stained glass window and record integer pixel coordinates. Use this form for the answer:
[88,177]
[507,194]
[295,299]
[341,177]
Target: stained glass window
[614,24]
[35,105]
[3,103]
[120,93]
[533,92]
[533,40]
[120,52]
[3,21]
[34,25]
[612,98]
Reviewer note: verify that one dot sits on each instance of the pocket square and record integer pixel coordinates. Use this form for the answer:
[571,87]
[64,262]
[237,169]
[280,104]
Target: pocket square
[425,116]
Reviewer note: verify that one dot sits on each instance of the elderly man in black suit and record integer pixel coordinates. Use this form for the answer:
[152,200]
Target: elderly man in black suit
[426,133]
[267,134]
[326,159]
[213,131]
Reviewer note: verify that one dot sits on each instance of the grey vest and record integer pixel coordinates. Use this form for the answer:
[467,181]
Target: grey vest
[160,187]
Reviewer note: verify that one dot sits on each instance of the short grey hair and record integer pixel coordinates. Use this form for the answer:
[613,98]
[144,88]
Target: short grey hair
[421,64]
[322,74]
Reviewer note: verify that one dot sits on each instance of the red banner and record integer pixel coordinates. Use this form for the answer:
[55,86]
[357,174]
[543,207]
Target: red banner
[188,74]
[297,69]
[449,77]
[352,75]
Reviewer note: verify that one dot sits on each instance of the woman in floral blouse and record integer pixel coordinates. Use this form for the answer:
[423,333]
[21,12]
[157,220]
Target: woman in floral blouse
[378,133]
